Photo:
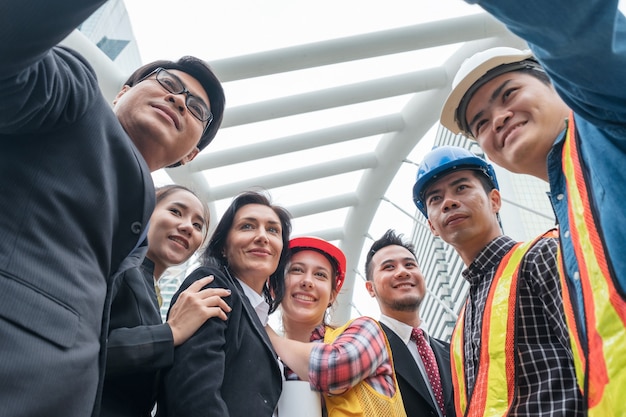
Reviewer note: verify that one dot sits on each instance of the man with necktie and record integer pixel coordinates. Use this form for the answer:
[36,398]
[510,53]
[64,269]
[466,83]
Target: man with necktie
[421,362]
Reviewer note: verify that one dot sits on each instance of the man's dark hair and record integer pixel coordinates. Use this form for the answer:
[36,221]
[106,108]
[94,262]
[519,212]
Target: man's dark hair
[390,238]
[202,72]
[540,75]
[485,181]
[214,253]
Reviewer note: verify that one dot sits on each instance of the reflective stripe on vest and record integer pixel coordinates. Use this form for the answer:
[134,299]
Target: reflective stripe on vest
[494,388]
[605,309]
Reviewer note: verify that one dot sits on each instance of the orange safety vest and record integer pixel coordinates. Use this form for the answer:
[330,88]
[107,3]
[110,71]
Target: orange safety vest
[495,382]
[601,368]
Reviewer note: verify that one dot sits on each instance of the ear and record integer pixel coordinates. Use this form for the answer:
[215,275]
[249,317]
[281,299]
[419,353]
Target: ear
[190,156]
[369,286]
[432,228]
[121,93]
[333,298]
[496,200]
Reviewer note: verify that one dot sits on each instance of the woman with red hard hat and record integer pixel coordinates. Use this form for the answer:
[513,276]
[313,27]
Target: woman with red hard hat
[352,369]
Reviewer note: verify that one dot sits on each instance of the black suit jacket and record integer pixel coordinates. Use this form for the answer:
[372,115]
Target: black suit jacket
[76,196]
[415,395]
[139,346]
[227,368]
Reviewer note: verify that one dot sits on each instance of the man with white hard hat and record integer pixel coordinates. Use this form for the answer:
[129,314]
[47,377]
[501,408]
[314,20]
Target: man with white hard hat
[559,113]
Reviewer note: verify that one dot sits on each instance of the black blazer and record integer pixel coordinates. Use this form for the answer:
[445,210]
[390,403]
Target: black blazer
[139,346]
[227,368]
[415,395]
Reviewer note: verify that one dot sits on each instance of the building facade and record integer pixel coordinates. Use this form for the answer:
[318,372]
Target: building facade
[110,29]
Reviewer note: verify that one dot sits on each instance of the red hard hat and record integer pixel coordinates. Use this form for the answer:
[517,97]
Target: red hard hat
[320,245]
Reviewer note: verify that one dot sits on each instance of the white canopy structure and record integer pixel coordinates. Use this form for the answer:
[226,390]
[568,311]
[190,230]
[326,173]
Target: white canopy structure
[336,150]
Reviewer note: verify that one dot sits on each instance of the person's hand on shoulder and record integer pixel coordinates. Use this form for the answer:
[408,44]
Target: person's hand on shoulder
[194,306]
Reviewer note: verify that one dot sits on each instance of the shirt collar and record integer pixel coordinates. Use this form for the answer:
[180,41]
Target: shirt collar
[261,308]
[488,259]
[318,333]
[148,266]
[403,330]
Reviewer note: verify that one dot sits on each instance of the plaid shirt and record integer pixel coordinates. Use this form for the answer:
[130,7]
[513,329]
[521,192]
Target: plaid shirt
[546,381]
[358,354]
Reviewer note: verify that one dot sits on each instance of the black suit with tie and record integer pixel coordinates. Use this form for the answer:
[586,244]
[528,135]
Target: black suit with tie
[227,368]
[415,395]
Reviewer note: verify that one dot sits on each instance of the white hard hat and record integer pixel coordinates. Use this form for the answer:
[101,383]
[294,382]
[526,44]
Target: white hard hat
[471,76]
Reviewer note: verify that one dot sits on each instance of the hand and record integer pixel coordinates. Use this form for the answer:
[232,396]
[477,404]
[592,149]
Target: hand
[194,306]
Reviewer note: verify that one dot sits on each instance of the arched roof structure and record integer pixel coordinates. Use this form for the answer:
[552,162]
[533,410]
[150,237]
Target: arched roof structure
[332,152]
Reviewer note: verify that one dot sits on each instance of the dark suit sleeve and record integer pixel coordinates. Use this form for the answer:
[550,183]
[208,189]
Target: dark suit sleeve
[141,348]
[192,387]
[29,28]
[35,92]
[138,341]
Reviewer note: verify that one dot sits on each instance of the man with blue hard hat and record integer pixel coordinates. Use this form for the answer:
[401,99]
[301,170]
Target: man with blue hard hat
[440,161]
[510,350]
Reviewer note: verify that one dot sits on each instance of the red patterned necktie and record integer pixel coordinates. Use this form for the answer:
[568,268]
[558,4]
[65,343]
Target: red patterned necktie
[430,364]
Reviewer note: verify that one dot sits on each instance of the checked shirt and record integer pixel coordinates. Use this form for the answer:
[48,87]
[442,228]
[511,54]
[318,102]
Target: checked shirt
[545,371]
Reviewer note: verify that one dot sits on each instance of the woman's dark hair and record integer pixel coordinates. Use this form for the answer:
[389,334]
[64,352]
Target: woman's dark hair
[214,252]
[202,72]
[166,190]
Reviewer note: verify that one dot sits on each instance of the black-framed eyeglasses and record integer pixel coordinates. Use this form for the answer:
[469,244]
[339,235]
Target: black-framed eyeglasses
[196,106]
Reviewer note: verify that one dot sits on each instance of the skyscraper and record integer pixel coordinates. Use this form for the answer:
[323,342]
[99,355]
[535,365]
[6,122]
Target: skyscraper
[110,29]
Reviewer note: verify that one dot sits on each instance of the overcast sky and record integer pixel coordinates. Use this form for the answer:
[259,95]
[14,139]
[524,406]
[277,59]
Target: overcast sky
[213,30]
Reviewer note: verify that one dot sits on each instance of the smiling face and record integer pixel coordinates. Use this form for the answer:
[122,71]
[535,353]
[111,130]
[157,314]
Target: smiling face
[308,289]
[396,281]
[515,118]
[176,230]
[463,213]
[158,122]
[254,244]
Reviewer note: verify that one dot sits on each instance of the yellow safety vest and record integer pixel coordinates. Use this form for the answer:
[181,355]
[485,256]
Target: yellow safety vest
[494,388]
[601,368]
[362,399]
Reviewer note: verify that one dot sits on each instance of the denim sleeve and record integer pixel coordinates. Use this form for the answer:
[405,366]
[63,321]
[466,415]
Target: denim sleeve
[582,46]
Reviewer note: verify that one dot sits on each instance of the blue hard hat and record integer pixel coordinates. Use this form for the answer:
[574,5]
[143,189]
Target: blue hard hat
[441,161]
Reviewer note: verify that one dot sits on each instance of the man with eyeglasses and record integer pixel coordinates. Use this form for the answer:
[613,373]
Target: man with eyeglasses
[76,196]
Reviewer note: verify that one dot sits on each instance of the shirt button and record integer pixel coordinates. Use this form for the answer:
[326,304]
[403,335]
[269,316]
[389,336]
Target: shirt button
[560,197]
[135,227]
[576,276]
[566,234]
